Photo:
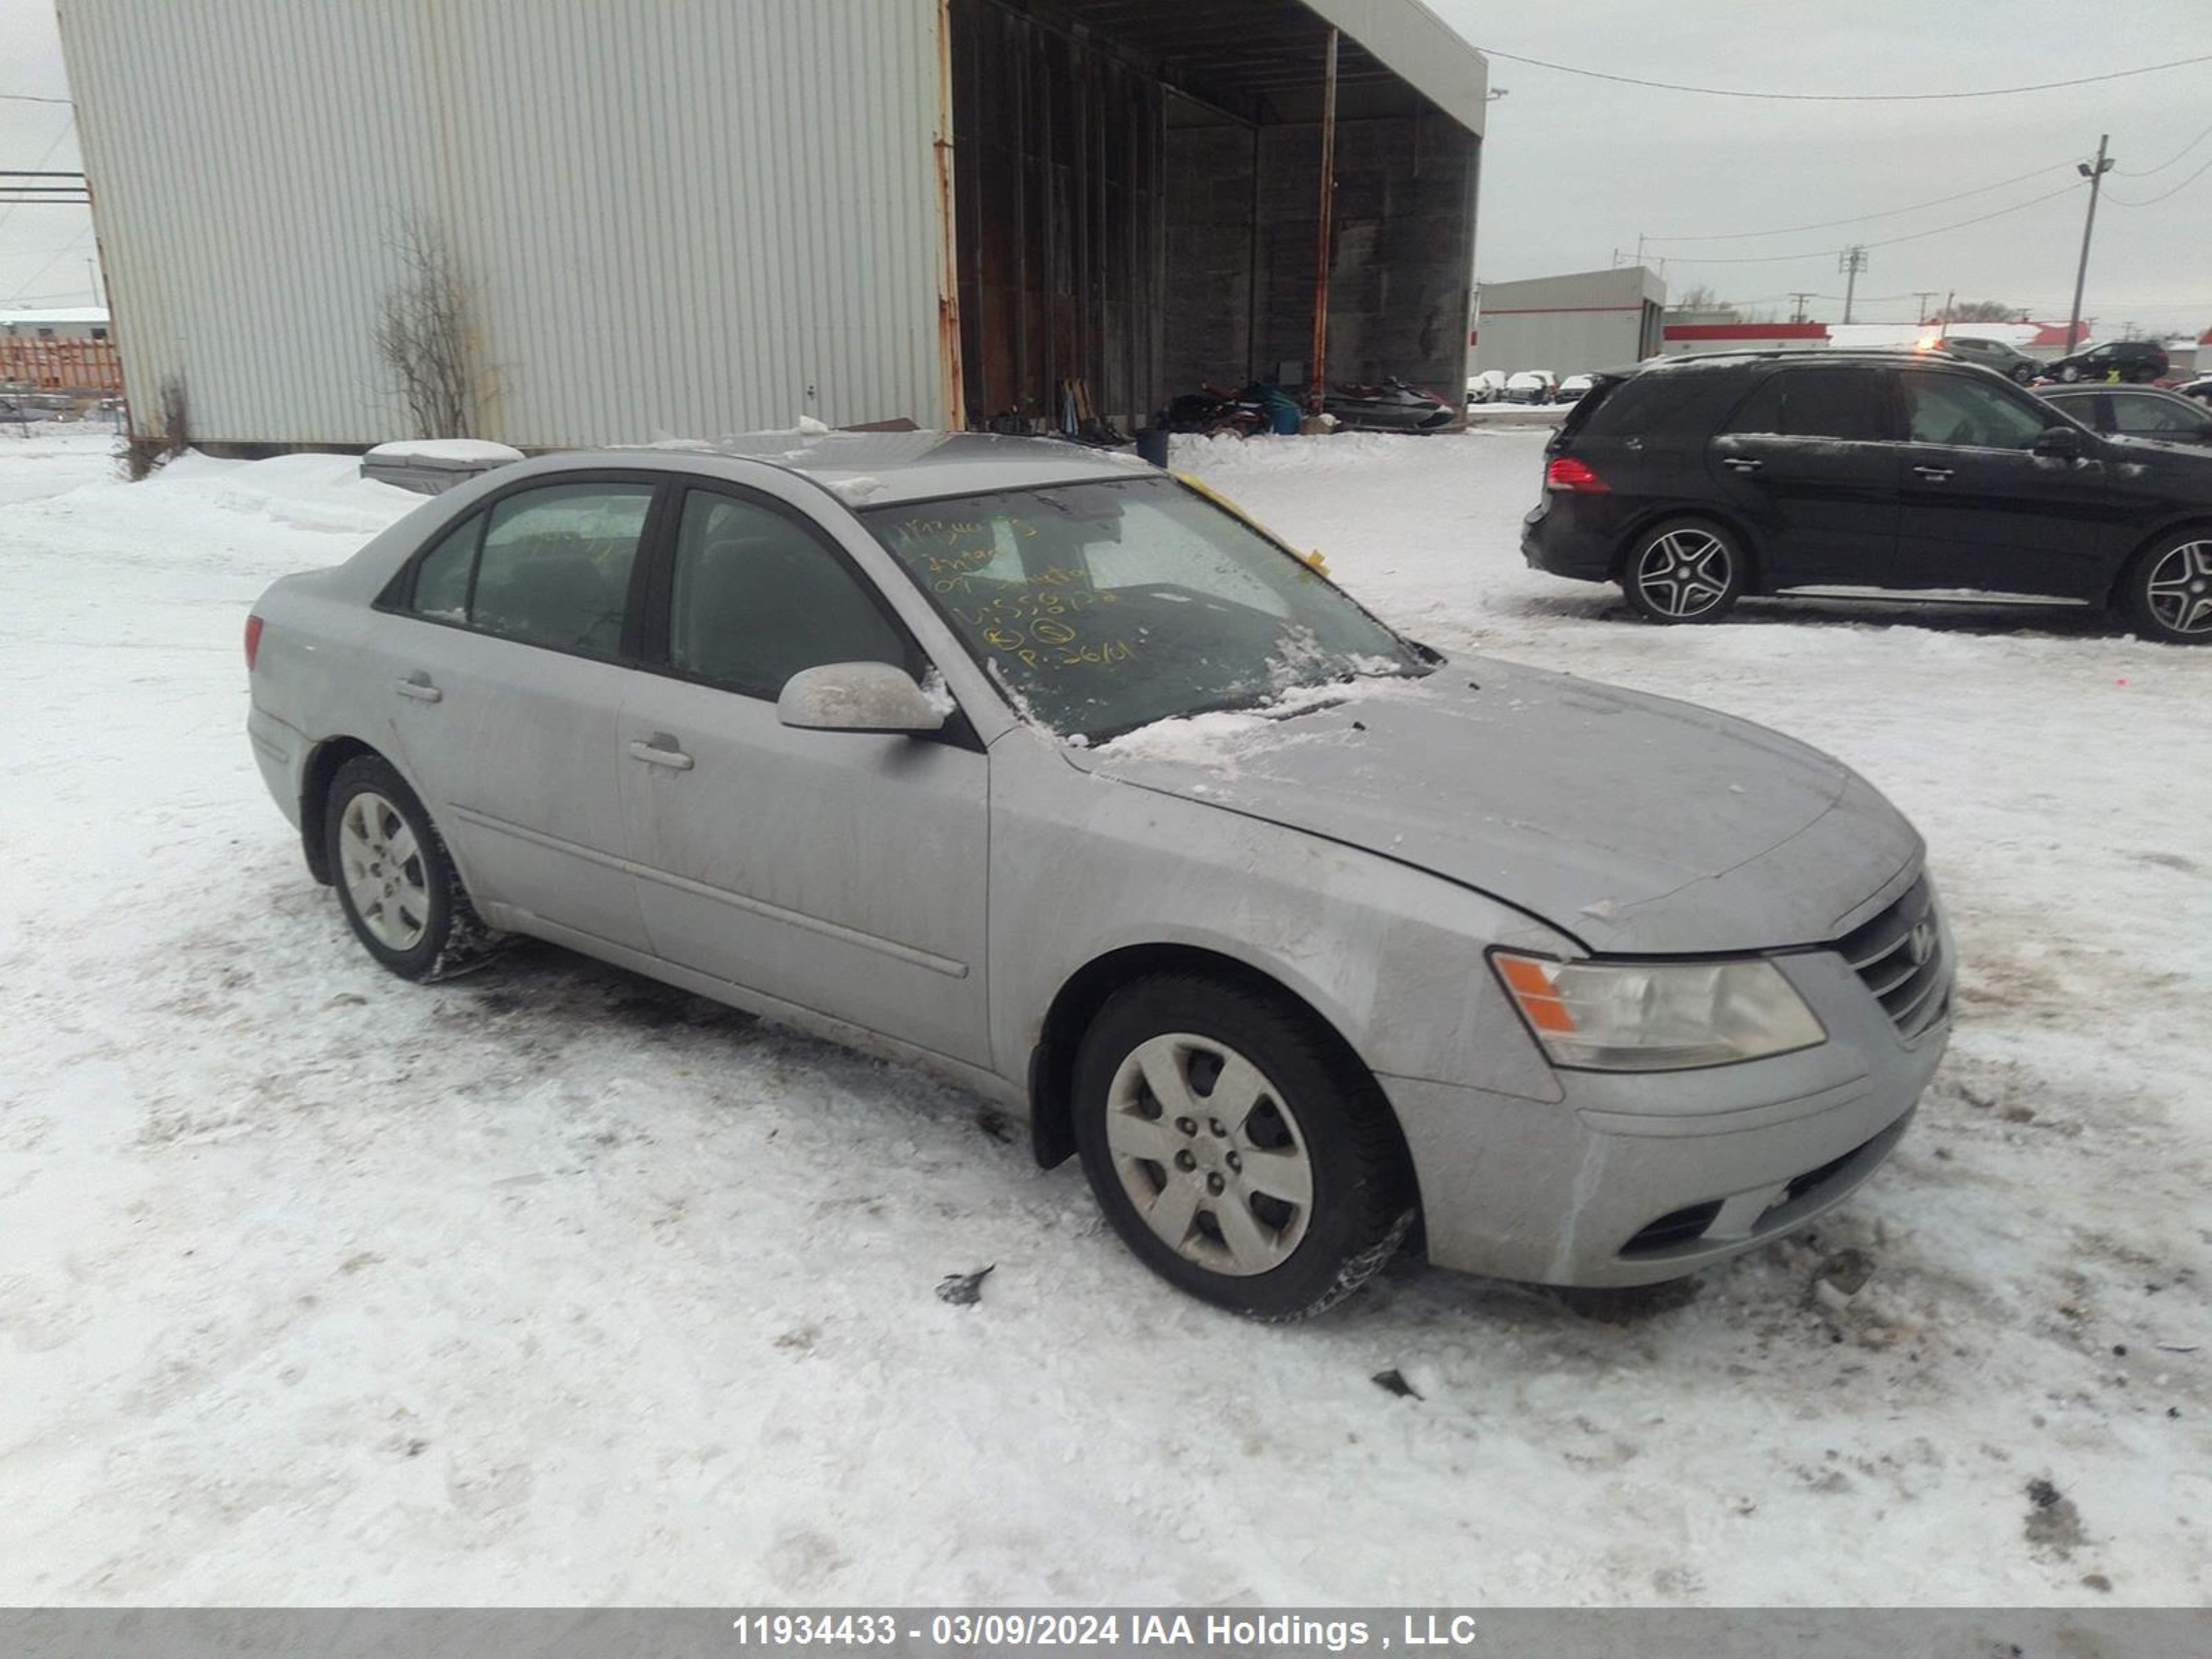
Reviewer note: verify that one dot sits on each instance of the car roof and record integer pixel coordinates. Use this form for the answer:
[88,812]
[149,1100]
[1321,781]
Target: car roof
[1753,358]
[878,468]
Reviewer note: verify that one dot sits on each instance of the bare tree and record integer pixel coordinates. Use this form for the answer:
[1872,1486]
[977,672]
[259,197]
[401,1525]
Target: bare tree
[1981,311]
[140,454]
[423,334]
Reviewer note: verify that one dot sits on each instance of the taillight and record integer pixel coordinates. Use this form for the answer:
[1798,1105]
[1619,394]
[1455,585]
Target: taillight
[253,641]
[1568,473]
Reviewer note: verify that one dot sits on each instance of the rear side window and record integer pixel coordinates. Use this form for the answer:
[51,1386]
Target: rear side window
[554,566]
[441,580]
[1837,404]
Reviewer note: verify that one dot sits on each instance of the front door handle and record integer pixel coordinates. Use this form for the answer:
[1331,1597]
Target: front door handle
[1934,474]
[1741,462]
[418,685]
[661,749]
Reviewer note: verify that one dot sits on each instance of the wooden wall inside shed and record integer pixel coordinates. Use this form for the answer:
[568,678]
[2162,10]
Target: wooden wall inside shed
[1060,224]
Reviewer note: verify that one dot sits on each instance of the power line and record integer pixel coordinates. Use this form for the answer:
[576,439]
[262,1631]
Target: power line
[1887,213]
[1843,97]
[1891,241]
[2145,172]
[2123,201]
[29,98]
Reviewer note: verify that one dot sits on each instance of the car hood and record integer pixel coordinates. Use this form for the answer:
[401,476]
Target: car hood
[1633,823]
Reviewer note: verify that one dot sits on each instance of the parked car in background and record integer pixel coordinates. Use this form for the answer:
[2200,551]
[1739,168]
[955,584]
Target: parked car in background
[2135,411]
[2200,389]
[867,738]
[2138,360]
[1697,480]
[1530,386]
[1572,388]
[1485,386]
[2015,365]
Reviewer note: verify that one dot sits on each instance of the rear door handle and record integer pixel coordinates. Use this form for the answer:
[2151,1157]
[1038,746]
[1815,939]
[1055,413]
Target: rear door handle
[1934,474]
[1741,462]
[418,685]
[661,750]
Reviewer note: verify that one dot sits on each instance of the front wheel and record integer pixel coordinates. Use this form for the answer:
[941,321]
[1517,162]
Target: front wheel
[2070,373]
[1241,1154]
[2023,374]
[2168,590]
[1683,571]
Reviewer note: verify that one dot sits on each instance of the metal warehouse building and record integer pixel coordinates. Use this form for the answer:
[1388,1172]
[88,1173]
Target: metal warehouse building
[706,217]
[1571,324]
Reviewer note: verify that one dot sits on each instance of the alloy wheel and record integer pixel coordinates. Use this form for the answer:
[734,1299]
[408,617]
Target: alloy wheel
[383,871]
[1209,1154]
[2179,588]
[1684,573]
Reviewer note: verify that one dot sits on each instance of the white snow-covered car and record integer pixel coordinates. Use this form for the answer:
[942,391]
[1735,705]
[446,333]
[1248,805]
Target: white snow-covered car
[1485,386]
[1530,386]
[903,738]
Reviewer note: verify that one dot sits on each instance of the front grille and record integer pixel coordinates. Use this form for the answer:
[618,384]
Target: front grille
[1680,1228]
[1900,955]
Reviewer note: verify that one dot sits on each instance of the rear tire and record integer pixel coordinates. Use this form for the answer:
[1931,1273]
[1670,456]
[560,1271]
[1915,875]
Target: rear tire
[396,882]
[1243,1156]
[1685,570]
[2167,591]
[2070,373]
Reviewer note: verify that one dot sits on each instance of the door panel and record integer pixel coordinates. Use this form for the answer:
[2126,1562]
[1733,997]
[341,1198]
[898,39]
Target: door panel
[499,666]
[1808,463]
[1982,512]
[516,753]
[843,872]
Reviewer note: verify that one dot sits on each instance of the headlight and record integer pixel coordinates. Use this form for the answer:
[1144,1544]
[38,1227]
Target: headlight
[1660,1017]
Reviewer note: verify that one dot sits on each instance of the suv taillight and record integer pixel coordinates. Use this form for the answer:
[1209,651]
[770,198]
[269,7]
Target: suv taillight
[1566,472]
[253,641]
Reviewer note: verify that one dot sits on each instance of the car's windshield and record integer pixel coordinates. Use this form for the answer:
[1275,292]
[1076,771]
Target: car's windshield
[1104,606]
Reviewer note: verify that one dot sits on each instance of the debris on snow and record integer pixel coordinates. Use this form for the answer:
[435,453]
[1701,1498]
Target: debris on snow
[1394,1382]
[963,1290]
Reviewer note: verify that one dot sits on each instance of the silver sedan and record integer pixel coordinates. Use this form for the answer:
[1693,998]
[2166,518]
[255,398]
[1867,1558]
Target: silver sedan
[1056,776]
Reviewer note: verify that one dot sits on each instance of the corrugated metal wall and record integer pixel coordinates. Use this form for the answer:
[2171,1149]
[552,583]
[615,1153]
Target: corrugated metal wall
[665,237]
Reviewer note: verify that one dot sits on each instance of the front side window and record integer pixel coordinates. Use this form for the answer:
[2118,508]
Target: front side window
[756,598]
[1841,404]
[1945,408]
[1101,607]
[554,566]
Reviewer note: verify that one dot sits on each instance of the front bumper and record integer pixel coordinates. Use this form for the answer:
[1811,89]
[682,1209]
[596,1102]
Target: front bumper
[1636,1177]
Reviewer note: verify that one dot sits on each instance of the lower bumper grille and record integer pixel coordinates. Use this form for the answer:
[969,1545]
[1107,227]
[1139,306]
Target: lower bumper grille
[1900,957]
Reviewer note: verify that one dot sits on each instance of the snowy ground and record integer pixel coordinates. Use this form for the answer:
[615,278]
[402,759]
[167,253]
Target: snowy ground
[548,1284]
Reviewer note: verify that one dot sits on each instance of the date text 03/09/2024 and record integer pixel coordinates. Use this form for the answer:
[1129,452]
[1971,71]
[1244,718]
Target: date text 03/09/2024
[1136,1629]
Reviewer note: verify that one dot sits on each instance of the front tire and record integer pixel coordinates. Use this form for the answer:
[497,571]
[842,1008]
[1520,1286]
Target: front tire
[2070,373]
[1240,1153]
[1686,570]
[2167,592]
[396,882]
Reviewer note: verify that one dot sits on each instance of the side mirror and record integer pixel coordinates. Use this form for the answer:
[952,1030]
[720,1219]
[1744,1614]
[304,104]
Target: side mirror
[2058,443]
[857,697]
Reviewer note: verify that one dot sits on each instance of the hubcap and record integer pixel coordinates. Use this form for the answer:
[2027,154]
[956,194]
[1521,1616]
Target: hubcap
[2180,588]
[382,867]
[1210,1154]
[1684,573]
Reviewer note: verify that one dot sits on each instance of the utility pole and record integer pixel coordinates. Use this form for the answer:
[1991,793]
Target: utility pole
[1854,261]
[1920,313]
[2095,175]
[1798,299]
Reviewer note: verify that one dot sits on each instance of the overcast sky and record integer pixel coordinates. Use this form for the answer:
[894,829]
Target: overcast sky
[1574,168]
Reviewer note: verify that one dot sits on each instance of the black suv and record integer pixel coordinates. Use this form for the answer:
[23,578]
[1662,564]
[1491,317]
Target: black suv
[1694,480]
[2128,360]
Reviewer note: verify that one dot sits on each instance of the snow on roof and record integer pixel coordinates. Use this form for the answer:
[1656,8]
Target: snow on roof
[65,315]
